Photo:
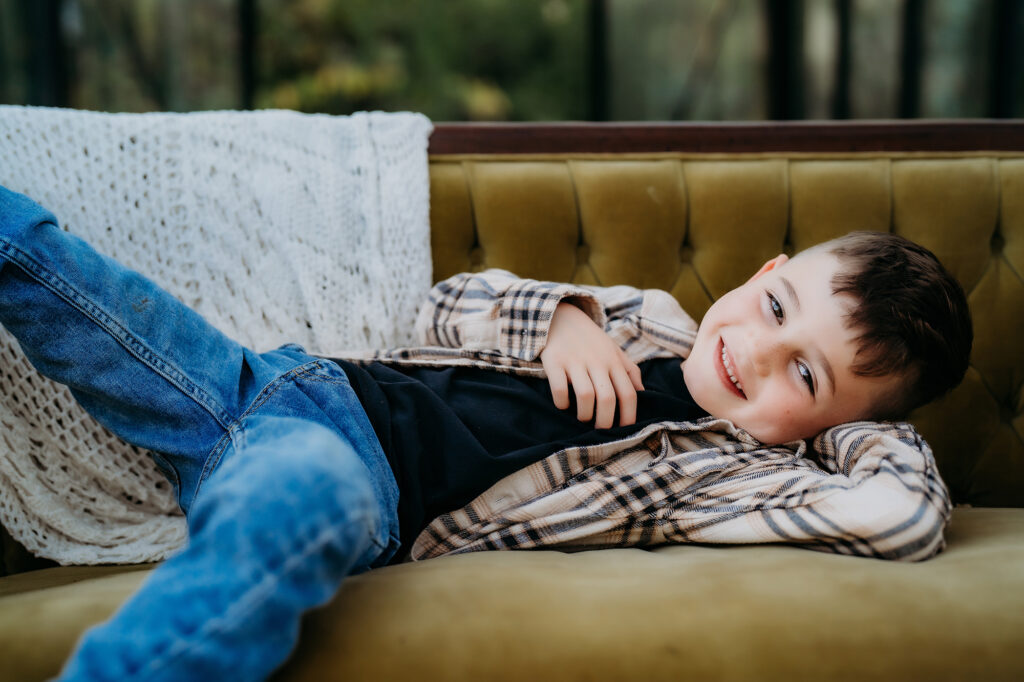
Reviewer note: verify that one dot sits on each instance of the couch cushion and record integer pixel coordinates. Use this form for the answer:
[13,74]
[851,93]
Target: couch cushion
[703,612]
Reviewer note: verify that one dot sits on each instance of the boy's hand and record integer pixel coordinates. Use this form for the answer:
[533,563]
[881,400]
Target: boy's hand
[580,353]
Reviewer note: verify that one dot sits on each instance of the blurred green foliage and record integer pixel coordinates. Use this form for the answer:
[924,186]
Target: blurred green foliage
[452,60]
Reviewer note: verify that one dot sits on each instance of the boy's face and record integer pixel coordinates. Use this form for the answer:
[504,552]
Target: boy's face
[789,351]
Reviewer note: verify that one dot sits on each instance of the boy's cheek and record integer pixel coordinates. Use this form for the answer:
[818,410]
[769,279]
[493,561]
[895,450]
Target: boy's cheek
[775,419]
[700,384]
[769,430]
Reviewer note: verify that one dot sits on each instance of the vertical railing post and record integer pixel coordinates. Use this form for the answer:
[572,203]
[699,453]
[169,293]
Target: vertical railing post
[784,23]
[247,52]
[47,57]
[910,59]
[597,25]
[841,92]
[6,90]
[1005,66]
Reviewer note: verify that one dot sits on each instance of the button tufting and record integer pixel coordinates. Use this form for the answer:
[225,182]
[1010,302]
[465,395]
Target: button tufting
[582,254]
[997,243]
[476,256]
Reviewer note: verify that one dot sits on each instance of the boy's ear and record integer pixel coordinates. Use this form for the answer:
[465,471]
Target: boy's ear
[770,265]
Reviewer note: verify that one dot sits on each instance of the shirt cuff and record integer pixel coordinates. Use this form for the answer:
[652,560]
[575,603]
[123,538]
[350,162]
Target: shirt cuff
[526,311]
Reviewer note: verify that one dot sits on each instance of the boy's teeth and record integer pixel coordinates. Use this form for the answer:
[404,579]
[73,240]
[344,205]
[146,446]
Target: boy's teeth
[728,369]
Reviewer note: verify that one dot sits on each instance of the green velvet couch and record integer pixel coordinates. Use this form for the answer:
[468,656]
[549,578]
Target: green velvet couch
[692,209]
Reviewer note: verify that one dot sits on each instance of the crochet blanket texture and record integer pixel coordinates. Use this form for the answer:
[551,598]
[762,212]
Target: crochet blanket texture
[275,226]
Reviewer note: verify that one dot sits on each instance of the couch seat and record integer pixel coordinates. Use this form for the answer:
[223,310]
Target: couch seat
[679,612]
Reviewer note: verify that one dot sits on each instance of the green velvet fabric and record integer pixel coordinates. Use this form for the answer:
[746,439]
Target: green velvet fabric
[673,613]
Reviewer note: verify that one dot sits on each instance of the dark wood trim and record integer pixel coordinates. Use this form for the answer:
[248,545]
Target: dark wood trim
[727,137]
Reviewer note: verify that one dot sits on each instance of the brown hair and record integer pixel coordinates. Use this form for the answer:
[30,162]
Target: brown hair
[911,315]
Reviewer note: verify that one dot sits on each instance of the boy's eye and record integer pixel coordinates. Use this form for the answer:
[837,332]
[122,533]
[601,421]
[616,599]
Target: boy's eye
[805,374]
[777,310]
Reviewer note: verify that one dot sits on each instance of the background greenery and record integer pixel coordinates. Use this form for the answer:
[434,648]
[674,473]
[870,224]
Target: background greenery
[496,59]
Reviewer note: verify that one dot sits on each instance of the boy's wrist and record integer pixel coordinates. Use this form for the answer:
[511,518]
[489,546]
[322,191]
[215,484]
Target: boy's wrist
[577,302]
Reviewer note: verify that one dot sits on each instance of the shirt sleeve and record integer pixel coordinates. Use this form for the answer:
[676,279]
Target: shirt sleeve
[885,495]
[495,310]
[879,496]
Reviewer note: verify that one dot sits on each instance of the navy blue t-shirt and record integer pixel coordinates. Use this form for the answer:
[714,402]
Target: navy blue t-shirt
[451,433]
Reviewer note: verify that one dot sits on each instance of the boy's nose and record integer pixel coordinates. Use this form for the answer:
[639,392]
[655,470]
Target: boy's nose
[761,361]
[766,351]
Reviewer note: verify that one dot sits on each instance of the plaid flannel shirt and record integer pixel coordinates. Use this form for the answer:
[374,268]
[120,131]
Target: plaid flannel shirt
[867,489]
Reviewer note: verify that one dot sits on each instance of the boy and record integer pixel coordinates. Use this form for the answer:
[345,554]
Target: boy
[295,471]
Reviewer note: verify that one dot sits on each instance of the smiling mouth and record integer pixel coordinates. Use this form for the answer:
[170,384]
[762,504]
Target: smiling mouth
[726,372]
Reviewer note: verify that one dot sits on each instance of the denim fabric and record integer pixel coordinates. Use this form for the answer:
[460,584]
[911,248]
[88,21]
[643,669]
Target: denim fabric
[284,485]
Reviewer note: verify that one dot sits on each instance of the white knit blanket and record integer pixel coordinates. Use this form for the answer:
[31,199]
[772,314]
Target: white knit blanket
[276,226]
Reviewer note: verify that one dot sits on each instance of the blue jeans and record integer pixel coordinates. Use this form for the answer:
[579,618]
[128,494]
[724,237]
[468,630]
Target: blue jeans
[283,483]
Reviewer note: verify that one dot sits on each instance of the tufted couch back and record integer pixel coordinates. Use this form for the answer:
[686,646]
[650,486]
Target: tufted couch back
[698,225]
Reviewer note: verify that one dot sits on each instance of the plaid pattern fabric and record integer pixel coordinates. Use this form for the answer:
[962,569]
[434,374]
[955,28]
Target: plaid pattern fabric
[865,488]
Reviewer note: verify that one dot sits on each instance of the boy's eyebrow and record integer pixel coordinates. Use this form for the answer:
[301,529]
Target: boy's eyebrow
[821,356]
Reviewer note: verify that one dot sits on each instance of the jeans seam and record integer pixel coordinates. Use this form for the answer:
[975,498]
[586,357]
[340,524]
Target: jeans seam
[113,328]
[254,596]
[235,433]
[215,454]
[274,386]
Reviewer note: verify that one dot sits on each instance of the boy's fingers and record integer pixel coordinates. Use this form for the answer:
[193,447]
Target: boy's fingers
[604,389]
[626,392]
[633,370]
[584,390]
[559,387]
